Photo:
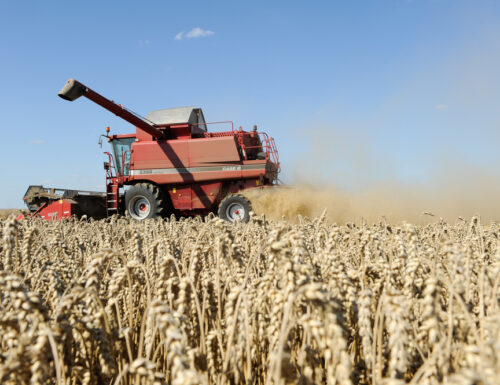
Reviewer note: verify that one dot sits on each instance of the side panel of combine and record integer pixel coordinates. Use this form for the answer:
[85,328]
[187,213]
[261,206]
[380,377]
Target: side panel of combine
[210,151]
[158,157]
[184,153]
[188,161]
[198,196]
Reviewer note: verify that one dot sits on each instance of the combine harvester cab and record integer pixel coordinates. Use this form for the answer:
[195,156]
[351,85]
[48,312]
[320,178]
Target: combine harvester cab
[173,164]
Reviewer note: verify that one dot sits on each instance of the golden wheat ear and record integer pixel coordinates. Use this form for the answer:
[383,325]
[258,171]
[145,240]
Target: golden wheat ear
[271,301]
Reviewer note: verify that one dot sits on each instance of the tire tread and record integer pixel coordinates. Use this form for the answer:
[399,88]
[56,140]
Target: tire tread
[157,194]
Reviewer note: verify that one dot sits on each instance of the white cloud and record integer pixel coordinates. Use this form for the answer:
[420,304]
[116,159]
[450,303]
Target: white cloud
[194,33]
[198,32]
[441,107]
[36,141]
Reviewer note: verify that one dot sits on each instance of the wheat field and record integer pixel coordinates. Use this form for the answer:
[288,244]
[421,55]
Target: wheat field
[202,301]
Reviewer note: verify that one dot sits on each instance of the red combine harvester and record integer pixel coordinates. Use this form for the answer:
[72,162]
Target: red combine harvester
[171,164]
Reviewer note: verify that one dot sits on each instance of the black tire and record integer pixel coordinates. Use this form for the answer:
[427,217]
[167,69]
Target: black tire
[231,206]
[144,201]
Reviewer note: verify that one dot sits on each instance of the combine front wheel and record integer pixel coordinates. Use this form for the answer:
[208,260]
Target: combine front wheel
[235,207]
[144,201]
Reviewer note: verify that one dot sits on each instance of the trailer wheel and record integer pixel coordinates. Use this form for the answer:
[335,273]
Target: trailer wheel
[235,207]
[143,201]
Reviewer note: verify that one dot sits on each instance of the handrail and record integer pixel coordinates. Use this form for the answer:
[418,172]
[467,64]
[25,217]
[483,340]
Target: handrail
[109,174]
[266,143]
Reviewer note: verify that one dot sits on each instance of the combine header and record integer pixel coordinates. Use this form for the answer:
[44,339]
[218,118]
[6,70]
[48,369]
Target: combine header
[56,203]
[172,164]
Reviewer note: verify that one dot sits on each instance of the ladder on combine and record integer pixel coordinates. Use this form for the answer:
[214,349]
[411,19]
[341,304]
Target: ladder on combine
[112,188]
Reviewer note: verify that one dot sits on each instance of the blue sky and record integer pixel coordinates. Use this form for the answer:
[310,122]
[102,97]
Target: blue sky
[354,92]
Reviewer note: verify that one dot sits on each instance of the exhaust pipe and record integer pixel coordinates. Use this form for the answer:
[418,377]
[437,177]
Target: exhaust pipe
[72,90]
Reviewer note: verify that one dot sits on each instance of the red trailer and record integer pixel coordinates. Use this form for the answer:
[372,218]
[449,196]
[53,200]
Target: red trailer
[173,164]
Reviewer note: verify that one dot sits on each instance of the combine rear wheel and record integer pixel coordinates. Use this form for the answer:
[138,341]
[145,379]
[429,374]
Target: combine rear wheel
[144,201]
[235,207]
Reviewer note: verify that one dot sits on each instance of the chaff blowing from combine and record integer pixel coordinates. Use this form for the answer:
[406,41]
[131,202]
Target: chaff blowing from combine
[172,164]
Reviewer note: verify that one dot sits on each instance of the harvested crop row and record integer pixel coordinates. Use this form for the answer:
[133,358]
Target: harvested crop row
[207,302]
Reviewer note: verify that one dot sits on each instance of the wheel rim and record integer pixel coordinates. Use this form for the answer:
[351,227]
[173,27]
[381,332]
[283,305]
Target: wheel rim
[139,207]
[235,211]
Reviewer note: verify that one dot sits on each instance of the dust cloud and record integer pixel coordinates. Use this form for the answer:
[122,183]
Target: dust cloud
[390,201]
[355,182]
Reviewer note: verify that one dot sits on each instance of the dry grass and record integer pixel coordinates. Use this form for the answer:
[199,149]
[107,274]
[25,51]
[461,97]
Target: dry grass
[207,302]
